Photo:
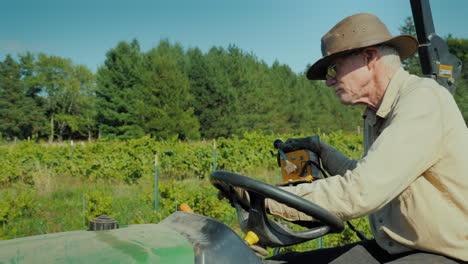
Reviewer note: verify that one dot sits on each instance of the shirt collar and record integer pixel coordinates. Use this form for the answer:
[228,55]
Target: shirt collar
[391,93]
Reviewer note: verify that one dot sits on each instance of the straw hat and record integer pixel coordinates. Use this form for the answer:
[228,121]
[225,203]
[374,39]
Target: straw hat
[356,32]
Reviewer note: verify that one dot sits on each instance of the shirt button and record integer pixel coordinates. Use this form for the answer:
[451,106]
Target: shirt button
[390,244]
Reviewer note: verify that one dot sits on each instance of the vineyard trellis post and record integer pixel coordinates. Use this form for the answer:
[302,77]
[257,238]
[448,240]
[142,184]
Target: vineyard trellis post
[214,155]
[156,183]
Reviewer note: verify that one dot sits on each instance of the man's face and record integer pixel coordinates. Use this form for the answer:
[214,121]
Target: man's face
[351,79]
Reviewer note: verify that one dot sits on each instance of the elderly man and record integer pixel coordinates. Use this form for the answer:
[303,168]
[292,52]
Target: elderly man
[413,178]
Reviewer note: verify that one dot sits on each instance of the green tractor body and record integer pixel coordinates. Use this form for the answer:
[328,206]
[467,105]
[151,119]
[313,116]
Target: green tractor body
[180,238]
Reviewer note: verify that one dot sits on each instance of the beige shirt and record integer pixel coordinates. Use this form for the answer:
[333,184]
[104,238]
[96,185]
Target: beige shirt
[413,178]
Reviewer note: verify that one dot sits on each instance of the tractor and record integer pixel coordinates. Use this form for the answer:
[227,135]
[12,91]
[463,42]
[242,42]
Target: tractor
[186,237]
[183,237]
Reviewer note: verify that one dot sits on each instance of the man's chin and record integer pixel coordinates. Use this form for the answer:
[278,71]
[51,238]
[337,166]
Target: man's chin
[345,101]
[350,101]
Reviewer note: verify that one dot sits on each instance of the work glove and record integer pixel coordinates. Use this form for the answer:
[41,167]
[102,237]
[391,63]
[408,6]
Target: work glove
[333,161]
[311,143]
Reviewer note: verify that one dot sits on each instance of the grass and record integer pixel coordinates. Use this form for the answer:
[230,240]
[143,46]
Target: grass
[66,203]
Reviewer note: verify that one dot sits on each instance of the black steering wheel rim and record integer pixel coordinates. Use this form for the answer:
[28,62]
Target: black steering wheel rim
[261,191]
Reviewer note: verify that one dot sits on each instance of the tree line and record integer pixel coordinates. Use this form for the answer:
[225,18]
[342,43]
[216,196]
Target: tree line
[170,92]
[166,92]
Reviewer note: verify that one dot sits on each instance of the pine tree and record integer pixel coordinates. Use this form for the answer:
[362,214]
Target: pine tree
[117,88]
[18,112]
[164,107]
[215,99]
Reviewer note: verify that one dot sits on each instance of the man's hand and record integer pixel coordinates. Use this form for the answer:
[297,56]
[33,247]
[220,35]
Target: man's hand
[311,143]
[234,194]
[333,161]
[259,251]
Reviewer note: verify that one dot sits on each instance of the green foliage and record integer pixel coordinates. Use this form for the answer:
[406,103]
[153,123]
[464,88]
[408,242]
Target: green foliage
[350,144]
[152,100]
[201,197]
[251,151]
[97,203]
[17,165]
[66,88]
[412,64]
[106,161]
[164,108]
[168,92]
[45,96]
[132,161]
[165,93]
[16,202]
[260,98]
[145,94]
[117,83]
[57,187]
[19,115]
[214,95]
[459,48]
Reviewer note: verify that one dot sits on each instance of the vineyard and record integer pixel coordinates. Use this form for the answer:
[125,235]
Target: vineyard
[58,187]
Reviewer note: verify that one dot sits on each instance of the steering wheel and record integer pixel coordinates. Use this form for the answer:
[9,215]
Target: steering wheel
[271,233]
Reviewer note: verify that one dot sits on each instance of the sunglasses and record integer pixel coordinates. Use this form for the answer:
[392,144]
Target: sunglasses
[331,71]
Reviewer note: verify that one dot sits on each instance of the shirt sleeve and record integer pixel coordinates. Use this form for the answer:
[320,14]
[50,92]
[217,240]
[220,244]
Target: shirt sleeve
[408,146]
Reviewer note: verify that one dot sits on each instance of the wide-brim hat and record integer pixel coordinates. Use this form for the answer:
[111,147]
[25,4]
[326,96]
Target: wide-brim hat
[357,32]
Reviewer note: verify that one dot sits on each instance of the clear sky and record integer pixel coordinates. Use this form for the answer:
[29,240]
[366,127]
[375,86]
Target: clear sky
[285,30]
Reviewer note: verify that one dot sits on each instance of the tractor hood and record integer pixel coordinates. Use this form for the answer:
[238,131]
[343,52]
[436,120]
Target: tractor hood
[181,238]
[146,243]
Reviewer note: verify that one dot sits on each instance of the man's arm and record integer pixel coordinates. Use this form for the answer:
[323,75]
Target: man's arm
[334,161]
[405,149]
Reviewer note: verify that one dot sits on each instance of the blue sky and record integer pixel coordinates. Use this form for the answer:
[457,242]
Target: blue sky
[285,30]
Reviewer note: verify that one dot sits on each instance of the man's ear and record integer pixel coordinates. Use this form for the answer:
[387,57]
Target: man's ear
[370,55]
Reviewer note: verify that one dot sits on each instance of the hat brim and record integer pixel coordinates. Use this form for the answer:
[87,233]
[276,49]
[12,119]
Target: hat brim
[406,45]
